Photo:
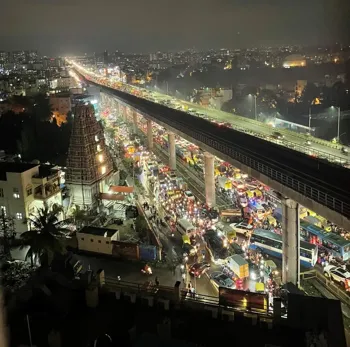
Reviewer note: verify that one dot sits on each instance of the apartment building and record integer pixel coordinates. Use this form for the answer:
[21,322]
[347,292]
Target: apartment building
[24,188]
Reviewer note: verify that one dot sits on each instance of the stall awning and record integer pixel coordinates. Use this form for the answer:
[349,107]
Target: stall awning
[108,196]
[121,189]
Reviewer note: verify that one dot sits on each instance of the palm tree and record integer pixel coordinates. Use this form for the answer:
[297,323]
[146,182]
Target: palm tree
[79,217]
[44,236]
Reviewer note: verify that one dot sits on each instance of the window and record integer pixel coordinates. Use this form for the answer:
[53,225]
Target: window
[82,239]
[99,241]
[19,215]
[107,242]
[91,240]
[1,192]
[3,210]
[29,191]
[16,193]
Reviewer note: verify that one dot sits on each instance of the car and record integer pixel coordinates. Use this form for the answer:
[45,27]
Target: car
[241,191]
[242,228]
[219,279]
[243,201]
[254,271]
[199,269]
[238,184]
[277,135]
[266,207]
[337,274]
[189,195]
[189,249]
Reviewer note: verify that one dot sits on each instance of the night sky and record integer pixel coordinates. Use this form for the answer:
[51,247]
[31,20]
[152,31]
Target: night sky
[77,26]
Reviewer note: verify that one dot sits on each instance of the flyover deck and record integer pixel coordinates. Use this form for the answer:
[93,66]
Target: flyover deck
[284,169]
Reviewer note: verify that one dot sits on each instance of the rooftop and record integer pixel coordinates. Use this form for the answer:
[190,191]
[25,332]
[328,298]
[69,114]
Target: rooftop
[97,231]
[14,168]
[46,171]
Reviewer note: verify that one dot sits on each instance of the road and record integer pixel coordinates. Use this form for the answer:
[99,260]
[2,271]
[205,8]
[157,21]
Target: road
[293,140]
[265,131]
[131,272]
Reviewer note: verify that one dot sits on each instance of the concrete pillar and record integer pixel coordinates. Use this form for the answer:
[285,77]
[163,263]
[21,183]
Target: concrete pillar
[172,151]
[134,121]
[291,241]
[209,179]
[149,134]
[121,111]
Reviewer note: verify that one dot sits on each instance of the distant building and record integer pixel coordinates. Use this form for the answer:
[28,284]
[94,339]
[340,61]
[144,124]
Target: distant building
[26,187]
[97,240]
[62,83]
[294,60]
[89,163]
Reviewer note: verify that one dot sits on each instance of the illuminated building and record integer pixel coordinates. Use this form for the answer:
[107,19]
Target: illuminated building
[89,164]
[294,60]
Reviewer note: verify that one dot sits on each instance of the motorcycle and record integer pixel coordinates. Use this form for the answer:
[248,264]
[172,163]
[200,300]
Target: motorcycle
[147,271]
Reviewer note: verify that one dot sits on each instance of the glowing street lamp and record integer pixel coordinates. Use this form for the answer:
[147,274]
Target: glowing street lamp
[338,130]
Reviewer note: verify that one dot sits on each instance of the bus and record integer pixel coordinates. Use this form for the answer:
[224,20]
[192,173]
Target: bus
[184,227]
[335,244]
[271,243]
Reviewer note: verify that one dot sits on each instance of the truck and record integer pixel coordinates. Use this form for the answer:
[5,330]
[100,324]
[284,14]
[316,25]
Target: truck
[238,265]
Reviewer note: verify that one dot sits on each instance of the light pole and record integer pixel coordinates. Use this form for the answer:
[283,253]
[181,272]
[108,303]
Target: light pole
[310,120]
[254,96]
[338,128]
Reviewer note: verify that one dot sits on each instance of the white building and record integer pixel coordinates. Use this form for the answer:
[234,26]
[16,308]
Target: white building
[97,240]
[26,187]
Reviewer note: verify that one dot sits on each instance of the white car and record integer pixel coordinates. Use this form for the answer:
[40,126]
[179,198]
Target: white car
[242,228]
[337,274]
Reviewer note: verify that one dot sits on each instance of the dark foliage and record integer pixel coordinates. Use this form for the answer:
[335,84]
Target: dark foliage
[32,133]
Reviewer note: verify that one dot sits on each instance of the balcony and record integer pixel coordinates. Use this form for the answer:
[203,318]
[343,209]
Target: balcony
[44,192]
[44,179]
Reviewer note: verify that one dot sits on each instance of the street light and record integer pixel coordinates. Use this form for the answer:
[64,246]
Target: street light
[338,131]
[310,120]
[254,96]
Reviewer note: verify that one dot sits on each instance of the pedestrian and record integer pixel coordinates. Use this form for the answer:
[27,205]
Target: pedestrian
[193,292]
[156,281]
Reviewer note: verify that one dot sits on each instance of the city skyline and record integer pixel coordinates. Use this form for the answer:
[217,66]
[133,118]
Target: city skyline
[137,26]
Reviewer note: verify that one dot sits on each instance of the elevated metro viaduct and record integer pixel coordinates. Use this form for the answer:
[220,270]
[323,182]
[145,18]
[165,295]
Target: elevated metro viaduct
[300,179]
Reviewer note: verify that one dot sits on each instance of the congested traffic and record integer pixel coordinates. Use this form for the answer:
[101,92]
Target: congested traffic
[238,245]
